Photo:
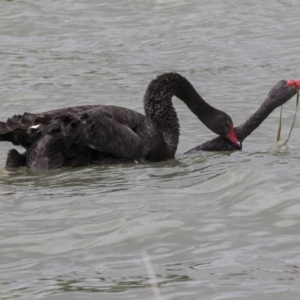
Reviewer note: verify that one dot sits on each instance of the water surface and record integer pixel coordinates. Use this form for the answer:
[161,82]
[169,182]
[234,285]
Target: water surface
[214,225]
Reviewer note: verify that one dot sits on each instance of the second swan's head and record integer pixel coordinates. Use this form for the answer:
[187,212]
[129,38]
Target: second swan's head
[221,124]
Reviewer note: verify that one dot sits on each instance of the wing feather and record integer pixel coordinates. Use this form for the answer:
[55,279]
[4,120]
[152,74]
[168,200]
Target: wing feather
[117,131]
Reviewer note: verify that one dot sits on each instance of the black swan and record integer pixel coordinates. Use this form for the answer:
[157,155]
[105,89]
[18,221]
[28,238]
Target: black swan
[100,134]
[278,95]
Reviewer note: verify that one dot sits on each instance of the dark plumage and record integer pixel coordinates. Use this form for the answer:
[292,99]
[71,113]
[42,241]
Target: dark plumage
[99,134]
[278,95]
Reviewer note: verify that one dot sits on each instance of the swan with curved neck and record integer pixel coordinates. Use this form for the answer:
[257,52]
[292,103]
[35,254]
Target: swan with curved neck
[278,95]
[100,134]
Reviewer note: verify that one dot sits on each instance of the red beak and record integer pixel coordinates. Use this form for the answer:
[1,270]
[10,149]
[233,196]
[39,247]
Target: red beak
[231,136]
[294,83]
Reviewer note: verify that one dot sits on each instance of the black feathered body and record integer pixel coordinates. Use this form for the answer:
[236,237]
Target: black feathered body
[84,135]
[102,134]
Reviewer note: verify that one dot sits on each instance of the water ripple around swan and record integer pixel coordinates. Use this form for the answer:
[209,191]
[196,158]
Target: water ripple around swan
[214,225]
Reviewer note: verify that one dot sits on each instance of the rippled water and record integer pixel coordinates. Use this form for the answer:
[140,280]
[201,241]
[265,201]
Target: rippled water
[215,226]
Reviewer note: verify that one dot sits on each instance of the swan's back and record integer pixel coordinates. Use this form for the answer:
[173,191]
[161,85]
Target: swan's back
[81,135]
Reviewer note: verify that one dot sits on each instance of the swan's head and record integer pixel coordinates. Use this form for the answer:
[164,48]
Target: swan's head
[221,124]
[294,83]
[231,134]
[282,92]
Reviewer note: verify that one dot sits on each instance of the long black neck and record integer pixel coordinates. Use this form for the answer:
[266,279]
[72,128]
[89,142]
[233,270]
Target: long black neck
[278,95]
[246,128]
[159,107]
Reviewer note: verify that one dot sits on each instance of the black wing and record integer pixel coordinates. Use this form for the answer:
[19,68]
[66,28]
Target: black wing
[48,136]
